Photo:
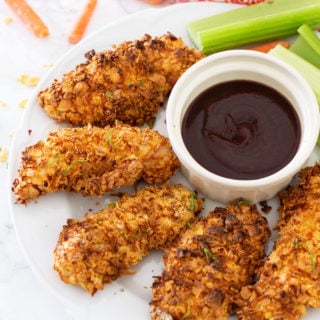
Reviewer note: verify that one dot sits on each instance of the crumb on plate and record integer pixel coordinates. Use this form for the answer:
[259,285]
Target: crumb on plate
[27,80]
[22,104]
[47,65]
[3,154]
[7,20]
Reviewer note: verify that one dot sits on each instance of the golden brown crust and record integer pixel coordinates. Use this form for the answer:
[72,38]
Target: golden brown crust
[93,161]
[128,83]
[209,264]
[101,247]
[289,280]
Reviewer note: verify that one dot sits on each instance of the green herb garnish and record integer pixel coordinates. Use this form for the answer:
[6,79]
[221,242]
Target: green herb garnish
[243,202]
[210,256]
[109,140]
[113,203]
[192,202]
[189,224]
[66,171]
[150,124]
[140,84]
[186,315]
[108,94]
[312,256]
[153,122]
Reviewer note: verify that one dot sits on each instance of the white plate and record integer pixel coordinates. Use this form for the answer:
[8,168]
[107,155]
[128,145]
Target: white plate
[39,223]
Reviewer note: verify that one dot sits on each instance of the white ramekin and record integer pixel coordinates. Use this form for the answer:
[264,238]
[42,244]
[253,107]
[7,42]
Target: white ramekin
[245,65]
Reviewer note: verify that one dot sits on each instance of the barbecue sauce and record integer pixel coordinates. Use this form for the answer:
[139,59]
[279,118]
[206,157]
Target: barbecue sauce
[241,130]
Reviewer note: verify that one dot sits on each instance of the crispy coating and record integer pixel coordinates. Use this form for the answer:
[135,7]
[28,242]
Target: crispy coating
[289,280]
[127,83]
[92,161]
[209,264]
[101,247]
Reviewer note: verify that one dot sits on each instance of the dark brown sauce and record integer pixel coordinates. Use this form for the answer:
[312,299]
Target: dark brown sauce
[241,130]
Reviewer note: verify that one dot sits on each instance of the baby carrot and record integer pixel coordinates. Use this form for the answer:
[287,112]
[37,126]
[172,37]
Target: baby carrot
[81,25]
[266,47]
[28,16]
[154,1]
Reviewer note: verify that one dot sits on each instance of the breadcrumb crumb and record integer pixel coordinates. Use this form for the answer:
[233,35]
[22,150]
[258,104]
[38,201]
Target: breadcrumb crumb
[23,103]
[3,104]
[47,65]
[3,154]
[30,81]
[7,20]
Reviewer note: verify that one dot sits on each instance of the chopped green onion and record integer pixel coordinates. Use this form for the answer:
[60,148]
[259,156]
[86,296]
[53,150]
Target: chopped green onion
[153,122]
[108,94]
[186,315]
[150,124]
[192,202]
[307,45]
[260,22]
[312,257]
[109,140]
[113,203]
[189,224]
[243,202]
[140,84]
[66,171]
[210,256]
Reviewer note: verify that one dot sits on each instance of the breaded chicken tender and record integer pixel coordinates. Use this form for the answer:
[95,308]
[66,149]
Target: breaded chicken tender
[289,281]
[92,161]
[209,263]
[101,247]
[127,83]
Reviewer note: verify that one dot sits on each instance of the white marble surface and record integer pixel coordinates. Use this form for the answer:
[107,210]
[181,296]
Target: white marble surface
[21,295]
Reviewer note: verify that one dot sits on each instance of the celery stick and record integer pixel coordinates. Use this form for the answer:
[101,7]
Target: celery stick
[307,45]
[268,20]
[310,72]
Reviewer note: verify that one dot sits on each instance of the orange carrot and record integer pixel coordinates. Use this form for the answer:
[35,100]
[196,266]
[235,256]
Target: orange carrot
[266,47]
[28,16]
[154,1]
[81,25]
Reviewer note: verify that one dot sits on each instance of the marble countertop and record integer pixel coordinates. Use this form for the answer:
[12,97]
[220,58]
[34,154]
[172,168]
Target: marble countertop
[21,53]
